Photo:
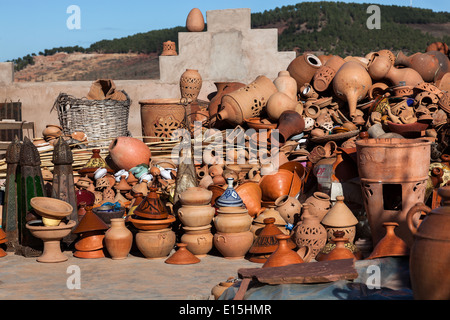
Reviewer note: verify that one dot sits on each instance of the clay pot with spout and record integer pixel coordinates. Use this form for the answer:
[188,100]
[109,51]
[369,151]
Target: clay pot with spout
[431,65]
[215,105]
[351,84]
[303,68]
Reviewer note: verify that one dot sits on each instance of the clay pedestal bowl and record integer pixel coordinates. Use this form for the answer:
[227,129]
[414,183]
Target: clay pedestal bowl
[51,210]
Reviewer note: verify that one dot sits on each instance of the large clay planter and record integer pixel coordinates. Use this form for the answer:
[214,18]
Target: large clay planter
[155,244]
[351,84]
[251,194]
[196,216]
[393,174]
[190,84]
[195,21]
[160,118]
[233,245]
[286,84]
[129,152]
[118,239]
[430,251]
[195,196]
[431,65]
[290,123]
[232,220]
[246,102]
[199,240]
[303,68]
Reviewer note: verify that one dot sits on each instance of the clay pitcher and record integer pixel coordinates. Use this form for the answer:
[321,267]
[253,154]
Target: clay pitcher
[303,68]
[352,83]
[430,251]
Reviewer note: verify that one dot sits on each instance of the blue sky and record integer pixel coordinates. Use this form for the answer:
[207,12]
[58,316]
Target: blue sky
[29,26]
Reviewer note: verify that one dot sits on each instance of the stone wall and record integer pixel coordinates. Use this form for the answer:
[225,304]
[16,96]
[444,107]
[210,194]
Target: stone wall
[228,51]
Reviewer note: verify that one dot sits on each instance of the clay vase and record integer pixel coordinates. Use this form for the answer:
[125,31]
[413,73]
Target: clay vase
[233,245]
[390,245]
[319,204]
[246,102]
[129,152]
[430,251]
[290,123]
[303,68]
[118,239]
[195,21]
[199,240]
[182,256]
[251,194]
[289,208]
[340,251]
[155,244]
[340,218]
[286,84]
[195,196]
[280,102]
[380,67]
[283,255]
[196,216]
[351,84]
[310,233]
[232,220]
[190,84]
[215,104]
[431,65]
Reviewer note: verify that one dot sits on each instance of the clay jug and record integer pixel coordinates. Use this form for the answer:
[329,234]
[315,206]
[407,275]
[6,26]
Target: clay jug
[319,204]
[190,84]
[290,123]
[310,233]
[118,239]
[246,102]
[351,84]
[340,218]
[129,152]
[280,102]
[430,251]
[431,65]
[283,255]
[195,21]
[286,84]
[289,208]
[303,68]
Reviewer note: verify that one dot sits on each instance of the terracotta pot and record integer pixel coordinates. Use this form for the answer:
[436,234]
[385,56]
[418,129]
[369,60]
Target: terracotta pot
[233,245]
[196,216]
[390,245]
[195,196]
[122,148]
[310,233]
[278,103]
[283,255]
[251,194]
[220,288]
[190,84]
[351,84]
[340,218]
[290,124]
[340,251]
[215,104]
[246,102]
[289,208]
[286,84]
[431,65]
[155,244]
[303,68]
[430,250]
[323,78]
[270,212]
[335,63]
[195,21]
[169,49]
[182,256]
[51,210]
[438,46]
[199,240]
[282,182]
[319,204]
[118,239]
[232,220]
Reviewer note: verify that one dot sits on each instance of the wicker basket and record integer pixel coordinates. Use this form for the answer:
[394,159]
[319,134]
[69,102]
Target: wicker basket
[101,120]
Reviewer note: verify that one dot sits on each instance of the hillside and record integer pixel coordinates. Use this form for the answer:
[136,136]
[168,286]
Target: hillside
[326,27]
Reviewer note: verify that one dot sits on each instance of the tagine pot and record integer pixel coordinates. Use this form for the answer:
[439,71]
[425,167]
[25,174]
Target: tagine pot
[155,244]
[303,68]
[118,239]
[390,245]
[283,255]
[340,218]
[286,84]
[430,251]
[129,152]
[196,216]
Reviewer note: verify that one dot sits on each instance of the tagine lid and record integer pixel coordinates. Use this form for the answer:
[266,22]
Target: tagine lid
[90,222]
[182,256]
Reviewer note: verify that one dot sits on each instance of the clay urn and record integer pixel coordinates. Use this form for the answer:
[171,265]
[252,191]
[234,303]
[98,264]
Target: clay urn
[196,215]
[286,84]
[431,65]
[195,21]
[182,256]
[283,255]
[155,244]
[199,240]
[290,123]
[351,84]
[118,239]
[303,68]
[233,245]
[232,220]
[129,152]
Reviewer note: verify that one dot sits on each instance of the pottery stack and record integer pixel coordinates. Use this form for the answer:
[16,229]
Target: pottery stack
[196,215]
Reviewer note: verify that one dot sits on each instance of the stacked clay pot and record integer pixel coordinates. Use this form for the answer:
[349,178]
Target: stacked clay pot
[196,215]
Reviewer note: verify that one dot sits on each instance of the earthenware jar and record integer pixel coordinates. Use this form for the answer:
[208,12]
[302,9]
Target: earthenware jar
[195,196]
[199,240]
[232,219]
[290,123]
[283,255]
[196,216]
[195,21]
[155,244]
[251,194]
[289,208]
[280,102]
[233,245]
[118,239]
[303,68]
[430,250]
[121,148]
[351,84]
[182,256]
[309,232]
[340,218]
[246,102]
[190,84]
[286,84]
[230,198]
[319,204]
[390,245]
